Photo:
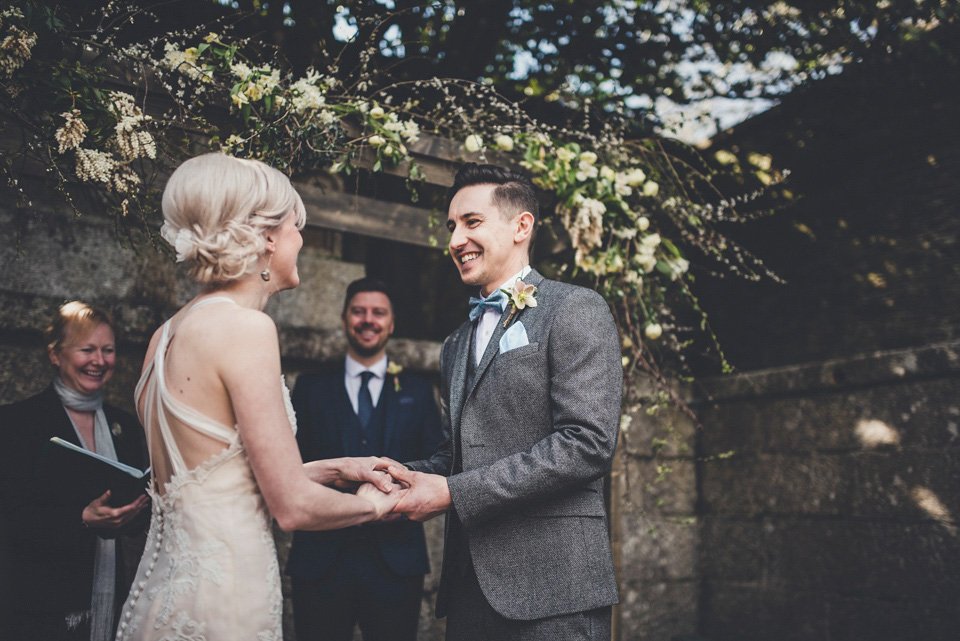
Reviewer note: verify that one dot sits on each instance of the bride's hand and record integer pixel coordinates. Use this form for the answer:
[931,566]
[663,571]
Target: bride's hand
[383,502]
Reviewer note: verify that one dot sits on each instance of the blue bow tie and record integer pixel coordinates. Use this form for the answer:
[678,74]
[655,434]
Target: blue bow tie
[478,306]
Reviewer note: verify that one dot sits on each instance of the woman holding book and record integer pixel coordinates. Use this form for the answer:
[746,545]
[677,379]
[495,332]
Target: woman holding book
[70,566]
[219,423]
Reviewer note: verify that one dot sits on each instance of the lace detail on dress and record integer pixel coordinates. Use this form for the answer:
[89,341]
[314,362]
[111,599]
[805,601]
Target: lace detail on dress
[291,414]
[187,565]
[185,629]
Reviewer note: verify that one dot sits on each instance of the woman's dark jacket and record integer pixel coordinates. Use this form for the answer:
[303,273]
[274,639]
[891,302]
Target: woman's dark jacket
[48,553]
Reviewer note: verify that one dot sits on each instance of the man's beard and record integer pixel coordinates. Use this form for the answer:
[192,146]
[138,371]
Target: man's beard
[364,350]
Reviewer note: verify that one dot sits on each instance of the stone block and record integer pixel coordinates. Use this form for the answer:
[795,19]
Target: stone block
[748,486]
[736,613]
[317,301]
[858,618]
[662,486]
[657,548]
[879,560]
[658,611]
[669,432]
[733,550]
[908,484]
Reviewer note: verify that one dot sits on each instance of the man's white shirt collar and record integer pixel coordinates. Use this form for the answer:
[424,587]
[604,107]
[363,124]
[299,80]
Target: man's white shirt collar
[379,368]
[487,322]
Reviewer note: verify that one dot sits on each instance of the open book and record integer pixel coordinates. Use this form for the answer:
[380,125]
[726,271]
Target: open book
[86,475]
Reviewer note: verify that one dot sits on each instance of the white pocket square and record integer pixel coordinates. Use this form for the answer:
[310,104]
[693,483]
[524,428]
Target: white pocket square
[514,337]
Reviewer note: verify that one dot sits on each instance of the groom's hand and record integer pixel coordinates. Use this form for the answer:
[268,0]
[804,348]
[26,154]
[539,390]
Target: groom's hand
[348,473]
[427,496]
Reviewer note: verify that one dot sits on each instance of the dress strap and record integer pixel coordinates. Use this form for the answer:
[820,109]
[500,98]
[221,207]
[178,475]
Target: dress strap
[160,400]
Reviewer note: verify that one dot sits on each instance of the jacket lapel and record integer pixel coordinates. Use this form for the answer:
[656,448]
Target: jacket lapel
[342,409]
[458,380]
[391,399]
[493,347]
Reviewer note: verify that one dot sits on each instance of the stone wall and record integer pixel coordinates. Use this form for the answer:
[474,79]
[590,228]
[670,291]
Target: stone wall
[829,505]
[657,524]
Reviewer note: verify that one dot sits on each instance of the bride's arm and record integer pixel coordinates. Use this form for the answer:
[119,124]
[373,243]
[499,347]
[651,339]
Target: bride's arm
[250,370]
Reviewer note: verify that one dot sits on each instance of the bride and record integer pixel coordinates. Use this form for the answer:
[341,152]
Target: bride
[219,423]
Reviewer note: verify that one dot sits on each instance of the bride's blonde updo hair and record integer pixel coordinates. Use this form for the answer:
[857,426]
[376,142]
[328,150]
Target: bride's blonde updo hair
[217,210]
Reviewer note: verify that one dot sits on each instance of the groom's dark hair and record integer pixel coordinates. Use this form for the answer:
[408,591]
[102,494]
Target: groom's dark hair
[365,285]
[514,193]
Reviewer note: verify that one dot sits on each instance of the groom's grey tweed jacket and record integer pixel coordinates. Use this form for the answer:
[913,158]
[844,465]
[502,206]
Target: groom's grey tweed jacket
[536,428]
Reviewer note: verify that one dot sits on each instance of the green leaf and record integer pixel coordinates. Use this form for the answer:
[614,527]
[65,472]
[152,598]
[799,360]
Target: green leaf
[671,247]
[202,48]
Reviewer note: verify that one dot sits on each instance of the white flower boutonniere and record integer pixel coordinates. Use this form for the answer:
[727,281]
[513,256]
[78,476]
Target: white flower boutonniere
[116,429]
[520,297]
[394,369]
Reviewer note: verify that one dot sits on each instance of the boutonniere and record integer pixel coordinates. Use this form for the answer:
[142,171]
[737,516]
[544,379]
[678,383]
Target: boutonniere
[521,296]
[394,369]
[116,429]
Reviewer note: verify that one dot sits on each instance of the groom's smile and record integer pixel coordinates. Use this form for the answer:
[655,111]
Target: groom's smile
[482,239]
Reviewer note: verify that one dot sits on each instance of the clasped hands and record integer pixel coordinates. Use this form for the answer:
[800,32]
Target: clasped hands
[394,490]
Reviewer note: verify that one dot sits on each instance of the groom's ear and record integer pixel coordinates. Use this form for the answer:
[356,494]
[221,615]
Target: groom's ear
[523,222]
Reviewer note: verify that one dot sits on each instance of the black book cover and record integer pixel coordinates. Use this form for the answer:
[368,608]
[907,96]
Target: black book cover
[82,475]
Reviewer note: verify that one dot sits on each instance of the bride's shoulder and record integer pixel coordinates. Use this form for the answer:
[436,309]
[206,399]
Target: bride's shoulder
[243,323]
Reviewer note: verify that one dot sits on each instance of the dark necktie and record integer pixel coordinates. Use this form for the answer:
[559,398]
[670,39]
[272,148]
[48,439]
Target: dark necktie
[364,399]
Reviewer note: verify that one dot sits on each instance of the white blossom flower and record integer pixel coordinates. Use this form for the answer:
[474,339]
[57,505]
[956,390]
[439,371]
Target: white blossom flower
[647,262]
[607,173]
[377,112]
[326,117]
[635,177]
[504,142]
[15,50]
[643,223]
[73,131]
[95,166]
[651,241]
[653,331]
[677,267]
[588,157]
[240,99]
[377,140]
[410,131]
[240,70]
[564,155]
[651,189]
[724,157]
[473,143]
[586,172]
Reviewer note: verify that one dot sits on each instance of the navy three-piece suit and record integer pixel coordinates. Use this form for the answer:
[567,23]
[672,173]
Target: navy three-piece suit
[370,574]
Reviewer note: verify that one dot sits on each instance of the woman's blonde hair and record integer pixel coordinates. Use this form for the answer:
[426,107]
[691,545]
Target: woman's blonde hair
[75,318]
[216,210]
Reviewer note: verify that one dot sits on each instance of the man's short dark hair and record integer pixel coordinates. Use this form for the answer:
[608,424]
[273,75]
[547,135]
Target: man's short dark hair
[365,285]
[514,193]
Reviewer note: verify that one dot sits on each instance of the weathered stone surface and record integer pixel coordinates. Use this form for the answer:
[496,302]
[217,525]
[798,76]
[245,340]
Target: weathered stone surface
[736,613]
[656,611]
[662,486]
[882,560]
[913,414]
[763,484]
[669,432]
[658,548]
[733,551]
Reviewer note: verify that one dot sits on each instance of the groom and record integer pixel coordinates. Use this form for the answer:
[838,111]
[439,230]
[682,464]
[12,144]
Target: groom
[530,400]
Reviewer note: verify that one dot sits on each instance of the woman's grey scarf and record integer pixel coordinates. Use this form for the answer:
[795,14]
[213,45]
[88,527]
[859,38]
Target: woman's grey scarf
[105,556]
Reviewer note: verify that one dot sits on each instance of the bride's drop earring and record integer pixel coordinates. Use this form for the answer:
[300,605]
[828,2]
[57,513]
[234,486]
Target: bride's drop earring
[265,274]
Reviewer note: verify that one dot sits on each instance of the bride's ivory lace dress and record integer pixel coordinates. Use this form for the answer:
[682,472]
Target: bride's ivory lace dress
[209,571]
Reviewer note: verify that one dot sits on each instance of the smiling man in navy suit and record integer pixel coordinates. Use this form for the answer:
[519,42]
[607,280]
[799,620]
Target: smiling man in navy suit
[371,575]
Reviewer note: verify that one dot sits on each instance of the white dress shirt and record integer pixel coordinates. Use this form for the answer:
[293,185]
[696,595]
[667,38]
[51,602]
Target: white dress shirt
[351,379]
[487,324]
